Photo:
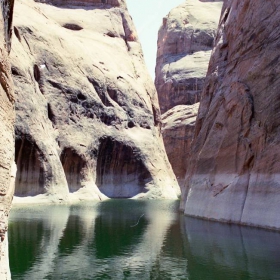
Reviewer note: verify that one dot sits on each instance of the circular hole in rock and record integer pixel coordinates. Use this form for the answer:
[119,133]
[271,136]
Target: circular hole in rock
[130,124]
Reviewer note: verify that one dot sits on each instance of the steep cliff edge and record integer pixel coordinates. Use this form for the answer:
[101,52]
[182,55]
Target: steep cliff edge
[234,166]
[87,124]
[7,172]
[185,42]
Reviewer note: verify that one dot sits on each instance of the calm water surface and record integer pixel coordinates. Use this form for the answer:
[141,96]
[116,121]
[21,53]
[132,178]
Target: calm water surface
[126,239]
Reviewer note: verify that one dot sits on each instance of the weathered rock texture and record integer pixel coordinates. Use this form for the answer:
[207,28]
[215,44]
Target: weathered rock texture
[235,159]
[185,41]
[87,112]
[7,172]
[178,126]
[184,45]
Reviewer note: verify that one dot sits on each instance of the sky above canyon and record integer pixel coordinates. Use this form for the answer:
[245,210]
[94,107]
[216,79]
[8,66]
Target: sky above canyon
[147,16]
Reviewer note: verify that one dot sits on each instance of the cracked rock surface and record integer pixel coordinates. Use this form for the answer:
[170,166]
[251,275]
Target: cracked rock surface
[233,172]
[88,120]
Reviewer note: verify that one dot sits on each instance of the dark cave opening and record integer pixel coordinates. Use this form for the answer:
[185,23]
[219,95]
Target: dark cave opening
[121,172]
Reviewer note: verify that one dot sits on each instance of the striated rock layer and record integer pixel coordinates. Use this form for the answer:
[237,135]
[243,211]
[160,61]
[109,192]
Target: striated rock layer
[88,119]
[7,168]
[235,159]
[185,41]
[178,126]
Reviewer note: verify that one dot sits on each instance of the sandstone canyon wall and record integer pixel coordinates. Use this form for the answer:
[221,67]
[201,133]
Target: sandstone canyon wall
[185,41]
[178,125]
[88,120]
[7,172]
[233,172]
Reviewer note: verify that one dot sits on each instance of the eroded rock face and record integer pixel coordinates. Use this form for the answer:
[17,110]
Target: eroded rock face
[185,41]
[184,45]
[234,167]
[7,168]
[87,111]
[178,126]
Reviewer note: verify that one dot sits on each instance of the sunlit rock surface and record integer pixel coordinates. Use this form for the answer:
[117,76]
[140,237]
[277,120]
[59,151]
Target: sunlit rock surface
[7,168]
[185,41]
[88,119]
[233,173]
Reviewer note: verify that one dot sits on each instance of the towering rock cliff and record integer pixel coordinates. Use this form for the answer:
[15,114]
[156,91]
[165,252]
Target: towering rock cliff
[234,166]
[7,172]
[88,119]
[185,42]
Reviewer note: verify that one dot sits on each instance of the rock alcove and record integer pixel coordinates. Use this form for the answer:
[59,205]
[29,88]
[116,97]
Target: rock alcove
[30,172]
[121,172]
[73,165]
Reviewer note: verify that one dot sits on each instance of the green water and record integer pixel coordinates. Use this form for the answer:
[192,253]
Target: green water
[126,239]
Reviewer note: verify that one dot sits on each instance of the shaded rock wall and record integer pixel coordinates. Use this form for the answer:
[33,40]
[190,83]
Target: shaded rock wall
[29,167]
[74,166]
[185,41]
[88,93]
[178,126]
[234,166]
[7,168]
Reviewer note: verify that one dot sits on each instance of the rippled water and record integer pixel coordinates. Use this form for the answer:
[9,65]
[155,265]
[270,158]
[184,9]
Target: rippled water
[127,239]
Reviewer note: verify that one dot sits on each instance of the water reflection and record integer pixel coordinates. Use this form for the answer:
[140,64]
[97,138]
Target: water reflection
[238,252]
[89,241]
[100,241]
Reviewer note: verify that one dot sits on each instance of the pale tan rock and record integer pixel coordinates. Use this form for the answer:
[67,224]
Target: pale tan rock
[185,41]
[88,120]
[7,168]
[233,172]
[178,126]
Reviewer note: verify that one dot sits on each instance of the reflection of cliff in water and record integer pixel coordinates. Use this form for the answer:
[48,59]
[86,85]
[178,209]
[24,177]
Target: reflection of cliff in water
[215,250]
[89,241]
[128,239]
